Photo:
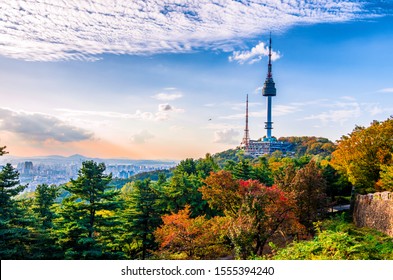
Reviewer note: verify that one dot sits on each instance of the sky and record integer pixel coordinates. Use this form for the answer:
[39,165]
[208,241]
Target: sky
[168,79]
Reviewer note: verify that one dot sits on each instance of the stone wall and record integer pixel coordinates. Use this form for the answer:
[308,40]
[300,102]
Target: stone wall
[374,211]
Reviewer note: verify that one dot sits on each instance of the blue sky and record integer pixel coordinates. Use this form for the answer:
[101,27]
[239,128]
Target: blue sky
[168,79]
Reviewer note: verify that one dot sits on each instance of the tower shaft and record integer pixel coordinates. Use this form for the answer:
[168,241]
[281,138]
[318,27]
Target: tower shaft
[269,123]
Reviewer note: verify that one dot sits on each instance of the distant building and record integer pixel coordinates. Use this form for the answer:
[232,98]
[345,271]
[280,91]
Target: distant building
[26,168]
[268,144]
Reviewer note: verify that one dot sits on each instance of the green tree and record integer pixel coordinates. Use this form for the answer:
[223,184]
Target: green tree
[82,220]
[336,184]
[182,188]
[14,233]
[262,172]
[243,170]
[187,166]
[205,166]
[2,150]
[43,240]
[44,199]
[140,217]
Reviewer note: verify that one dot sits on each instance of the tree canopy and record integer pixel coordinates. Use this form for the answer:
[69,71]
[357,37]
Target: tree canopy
[365,156]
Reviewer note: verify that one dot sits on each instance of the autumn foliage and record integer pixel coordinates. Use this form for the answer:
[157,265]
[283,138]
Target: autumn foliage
[365,156]
[183,237]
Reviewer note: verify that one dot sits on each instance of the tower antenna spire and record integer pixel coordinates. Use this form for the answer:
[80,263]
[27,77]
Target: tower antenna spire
[269,72]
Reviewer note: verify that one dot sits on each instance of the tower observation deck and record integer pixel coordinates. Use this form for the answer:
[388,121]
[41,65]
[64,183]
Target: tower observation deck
[268,144]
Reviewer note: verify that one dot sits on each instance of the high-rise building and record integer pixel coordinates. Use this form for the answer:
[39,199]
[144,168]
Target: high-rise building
[269,143]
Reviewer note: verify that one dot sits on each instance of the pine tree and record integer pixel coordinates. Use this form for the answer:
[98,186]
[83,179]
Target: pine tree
[2,150]
[43,239]
[44,199]
[13,228]
[262,172]
[82,221]
[140,219]
[243,170]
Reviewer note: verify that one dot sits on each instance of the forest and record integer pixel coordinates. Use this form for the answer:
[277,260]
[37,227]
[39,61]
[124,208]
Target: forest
[222,206]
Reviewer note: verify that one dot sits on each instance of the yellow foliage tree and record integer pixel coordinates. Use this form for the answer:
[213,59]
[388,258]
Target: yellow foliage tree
[364,153]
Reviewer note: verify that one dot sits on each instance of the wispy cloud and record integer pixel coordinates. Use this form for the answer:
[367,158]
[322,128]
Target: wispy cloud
[162,113]
[106,114]
[279,110]
[336,116]
[167,96]
[386,90]
[342,112]
[253,55]
[40,127]
[49,30]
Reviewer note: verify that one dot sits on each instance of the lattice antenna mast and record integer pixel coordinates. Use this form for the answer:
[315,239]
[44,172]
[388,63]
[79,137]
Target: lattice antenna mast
[246,137]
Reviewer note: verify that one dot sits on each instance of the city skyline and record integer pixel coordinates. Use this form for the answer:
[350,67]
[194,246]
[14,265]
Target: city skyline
[168,80]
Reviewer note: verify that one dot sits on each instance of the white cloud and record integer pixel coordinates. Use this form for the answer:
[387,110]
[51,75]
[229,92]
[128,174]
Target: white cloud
[227,136]
[254,55]
[141,137]
[50,30]
[40,127]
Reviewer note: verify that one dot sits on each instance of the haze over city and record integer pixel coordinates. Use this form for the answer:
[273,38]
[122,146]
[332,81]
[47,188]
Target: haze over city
[168,79]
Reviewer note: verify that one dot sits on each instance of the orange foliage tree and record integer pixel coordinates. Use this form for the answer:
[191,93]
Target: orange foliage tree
[221,190]
[256,212]
[182,237]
